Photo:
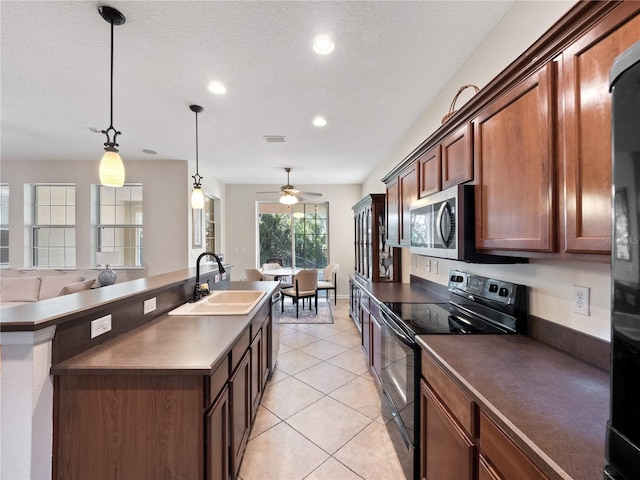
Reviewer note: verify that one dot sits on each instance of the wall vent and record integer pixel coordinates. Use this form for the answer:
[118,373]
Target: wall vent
[275,138]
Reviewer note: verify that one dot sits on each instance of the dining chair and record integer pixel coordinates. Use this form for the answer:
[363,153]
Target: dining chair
[270,266]
[253,275]
[275,260]
[330,281]
[305,285]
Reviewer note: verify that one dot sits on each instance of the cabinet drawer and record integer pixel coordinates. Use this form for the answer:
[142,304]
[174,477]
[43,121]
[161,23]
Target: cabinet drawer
[260,319]
[508,459]
[218,379]
[239,349]
[463,409]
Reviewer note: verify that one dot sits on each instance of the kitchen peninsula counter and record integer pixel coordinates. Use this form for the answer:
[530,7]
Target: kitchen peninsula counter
[553,406]
[176,344]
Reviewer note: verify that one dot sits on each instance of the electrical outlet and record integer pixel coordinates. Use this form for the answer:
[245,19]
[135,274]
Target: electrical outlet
[414,261]
[100,326]
[434,266]
[216,278]
[580,300]
[149,305]
[427,265]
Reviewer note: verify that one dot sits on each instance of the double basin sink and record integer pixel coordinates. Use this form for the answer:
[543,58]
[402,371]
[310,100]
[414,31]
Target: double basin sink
[222,302]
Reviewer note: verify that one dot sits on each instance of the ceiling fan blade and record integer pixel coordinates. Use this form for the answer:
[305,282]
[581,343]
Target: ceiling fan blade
[272,193]
[313,194]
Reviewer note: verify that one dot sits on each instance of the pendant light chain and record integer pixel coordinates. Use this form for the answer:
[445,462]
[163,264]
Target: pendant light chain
[111,143]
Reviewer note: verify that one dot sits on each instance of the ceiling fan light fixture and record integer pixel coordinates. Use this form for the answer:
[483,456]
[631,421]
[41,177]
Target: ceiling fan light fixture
[111,168]
[288,199]
[197,197]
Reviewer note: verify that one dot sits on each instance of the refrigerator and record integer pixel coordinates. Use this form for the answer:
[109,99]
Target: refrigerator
[622,448]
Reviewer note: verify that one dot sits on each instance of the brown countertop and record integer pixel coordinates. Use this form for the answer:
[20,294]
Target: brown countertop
[186,345]
[554,406]
[399,293]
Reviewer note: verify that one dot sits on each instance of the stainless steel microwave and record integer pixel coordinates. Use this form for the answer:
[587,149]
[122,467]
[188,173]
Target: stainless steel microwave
[443,225]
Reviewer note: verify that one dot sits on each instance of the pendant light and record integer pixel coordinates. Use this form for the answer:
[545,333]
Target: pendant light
[197,197]
[111,167]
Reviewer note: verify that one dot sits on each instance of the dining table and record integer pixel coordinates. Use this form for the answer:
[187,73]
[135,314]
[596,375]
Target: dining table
[278,273]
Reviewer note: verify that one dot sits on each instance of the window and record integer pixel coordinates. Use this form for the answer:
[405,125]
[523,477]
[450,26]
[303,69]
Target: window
[4,224]
[302,228]
[54,230]
[120,223]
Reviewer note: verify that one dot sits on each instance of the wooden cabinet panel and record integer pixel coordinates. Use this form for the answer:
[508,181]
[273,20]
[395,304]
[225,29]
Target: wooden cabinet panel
[457,157]
[447,452]
[508,459]
[266,341]
[430,171]
[256,372]
[587,115]
[408,181]
[486,471]
[129,426]
[514,159]
[393,212]
[240,405]
[218,467]
[376,340]
[463,409]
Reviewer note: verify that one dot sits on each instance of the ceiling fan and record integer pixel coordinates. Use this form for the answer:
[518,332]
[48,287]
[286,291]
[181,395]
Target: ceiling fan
[290,194]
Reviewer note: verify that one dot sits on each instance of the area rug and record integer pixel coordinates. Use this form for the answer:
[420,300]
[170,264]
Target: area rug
[307,315]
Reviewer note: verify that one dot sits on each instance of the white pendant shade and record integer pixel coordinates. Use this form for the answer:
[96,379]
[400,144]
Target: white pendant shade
[111,170]
[197,199]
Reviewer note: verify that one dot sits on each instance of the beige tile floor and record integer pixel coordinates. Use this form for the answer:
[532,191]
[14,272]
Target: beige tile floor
[319,418]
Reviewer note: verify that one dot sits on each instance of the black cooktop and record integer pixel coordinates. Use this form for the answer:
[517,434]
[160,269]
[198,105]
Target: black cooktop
[435,318]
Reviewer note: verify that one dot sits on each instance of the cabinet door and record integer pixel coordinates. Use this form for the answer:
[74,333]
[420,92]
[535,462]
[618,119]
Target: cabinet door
[376,344]
[240,393]
[587,108]
[393,212]
[514,159]
[366,329]
[486,471]
[408,181]
[218,467]
[266,332]
[256,372]
[457,157]
[446,451]
[430,170]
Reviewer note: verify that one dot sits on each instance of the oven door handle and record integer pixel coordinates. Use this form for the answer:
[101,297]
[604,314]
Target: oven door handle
[402,336]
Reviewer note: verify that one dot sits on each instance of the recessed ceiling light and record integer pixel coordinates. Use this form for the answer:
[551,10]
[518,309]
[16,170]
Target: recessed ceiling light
[149,151]
[319,121]
[217,88]
[94,129]
[323,45]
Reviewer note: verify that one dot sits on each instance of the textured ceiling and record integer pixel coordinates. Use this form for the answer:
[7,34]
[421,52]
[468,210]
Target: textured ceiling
[391,59]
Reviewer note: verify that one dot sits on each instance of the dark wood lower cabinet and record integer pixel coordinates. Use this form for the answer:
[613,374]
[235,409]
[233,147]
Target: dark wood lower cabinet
[128,427]
[240,393]
[218,432]
[256,372]
[446,450]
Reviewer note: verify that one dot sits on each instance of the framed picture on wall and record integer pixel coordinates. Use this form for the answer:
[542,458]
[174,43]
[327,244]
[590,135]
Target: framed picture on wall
[196,224]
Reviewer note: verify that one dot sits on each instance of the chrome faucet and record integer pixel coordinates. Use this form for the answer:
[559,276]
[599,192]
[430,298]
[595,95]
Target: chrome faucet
[202,289]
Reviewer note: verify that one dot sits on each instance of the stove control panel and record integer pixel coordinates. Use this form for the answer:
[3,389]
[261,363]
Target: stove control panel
[469,285]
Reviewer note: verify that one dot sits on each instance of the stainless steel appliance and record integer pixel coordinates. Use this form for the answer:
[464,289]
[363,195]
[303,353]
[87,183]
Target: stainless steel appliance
[476,305]
[623,429]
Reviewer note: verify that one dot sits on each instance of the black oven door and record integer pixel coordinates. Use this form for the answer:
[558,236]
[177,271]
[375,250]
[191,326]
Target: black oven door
[400,370]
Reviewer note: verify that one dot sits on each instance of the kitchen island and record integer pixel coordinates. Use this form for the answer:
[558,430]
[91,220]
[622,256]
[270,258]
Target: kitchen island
[37,336]
[166,399]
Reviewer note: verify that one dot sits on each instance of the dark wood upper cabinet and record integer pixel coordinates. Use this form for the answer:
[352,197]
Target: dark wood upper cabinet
[430,168]
[457,157]
[587,128]
[514,164]
[408,184]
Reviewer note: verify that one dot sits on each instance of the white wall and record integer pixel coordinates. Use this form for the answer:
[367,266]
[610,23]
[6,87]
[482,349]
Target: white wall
[165,211]
[550,281]
[240,229]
